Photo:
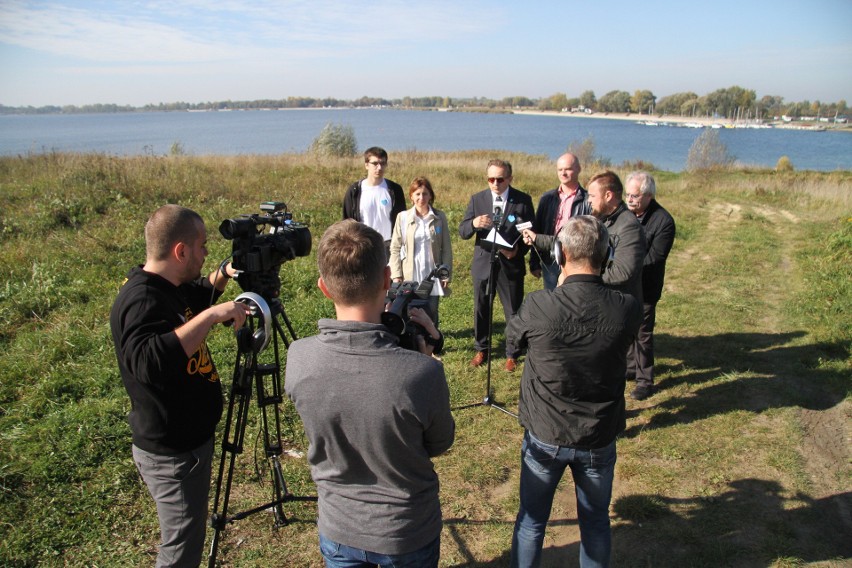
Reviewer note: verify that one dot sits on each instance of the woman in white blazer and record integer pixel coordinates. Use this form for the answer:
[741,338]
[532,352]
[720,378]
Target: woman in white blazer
[421,241]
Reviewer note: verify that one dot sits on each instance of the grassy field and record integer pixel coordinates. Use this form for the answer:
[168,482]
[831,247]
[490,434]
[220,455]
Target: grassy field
[741,459]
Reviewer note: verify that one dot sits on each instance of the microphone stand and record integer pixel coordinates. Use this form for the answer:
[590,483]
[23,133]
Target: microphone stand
[490,292]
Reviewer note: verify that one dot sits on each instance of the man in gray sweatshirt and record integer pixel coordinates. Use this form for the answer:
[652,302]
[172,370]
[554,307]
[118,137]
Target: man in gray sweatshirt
[374,414]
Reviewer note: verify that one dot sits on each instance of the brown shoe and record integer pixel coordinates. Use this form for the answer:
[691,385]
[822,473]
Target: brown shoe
[478,359]
[510,365]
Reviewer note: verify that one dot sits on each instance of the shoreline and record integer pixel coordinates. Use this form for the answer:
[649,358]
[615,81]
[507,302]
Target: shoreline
[697,122]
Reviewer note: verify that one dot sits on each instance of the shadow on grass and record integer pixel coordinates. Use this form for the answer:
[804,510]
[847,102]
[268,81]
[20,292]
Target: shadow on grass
[729,529]
[779,375]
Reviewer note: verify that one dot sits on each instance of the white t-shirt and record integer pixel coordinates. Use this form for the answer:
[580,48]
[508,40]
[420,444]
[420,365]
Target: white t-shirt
[375,208]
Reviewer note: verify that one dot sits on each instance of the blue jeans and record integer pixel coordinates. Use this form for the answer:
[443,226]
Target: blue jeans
[542,466]
[341,556]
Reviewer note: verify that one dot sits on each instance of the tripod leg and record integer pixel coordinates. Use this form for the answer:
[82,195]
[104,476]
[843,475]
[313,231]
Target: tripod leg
[232,444]
[266,378]
[272,439]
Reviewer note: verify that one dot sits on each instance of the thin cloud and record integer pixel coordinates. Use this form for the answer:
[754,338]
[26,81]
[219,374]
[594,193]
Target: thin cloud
[185,32]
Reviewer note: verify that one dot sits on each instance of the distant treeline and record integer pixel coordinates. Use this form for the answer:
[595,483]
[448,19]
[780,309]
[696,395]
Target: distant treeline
[733,102]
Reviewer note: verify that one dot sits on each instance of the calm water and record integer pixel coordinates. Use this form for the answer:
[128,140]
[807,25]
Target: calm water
[273,132]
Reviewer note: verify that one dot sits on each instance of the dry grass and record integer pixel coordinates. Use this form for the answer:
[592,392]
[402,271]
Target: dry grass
[741,459]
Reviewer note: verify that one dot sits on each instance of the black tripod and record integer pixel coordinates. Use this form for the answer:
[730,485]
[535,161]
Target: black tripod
[262,328]
[490,292]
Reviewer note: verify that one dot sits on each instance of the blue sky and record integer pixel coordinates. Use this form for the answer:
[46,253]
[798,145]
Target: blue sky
[139,51]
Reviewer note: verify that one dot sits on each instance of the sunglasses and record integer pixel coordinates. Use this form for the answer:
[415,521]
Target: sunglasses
[496,180]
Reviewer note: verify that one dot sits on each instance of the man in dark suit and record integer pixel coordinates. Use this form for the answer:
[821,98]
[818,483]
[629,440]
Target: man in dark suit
[514,207]
[640,190]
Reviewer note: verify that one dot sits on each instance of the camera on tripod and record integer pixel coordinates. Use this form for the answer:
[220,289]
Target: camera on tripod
[262,242]
[405,295]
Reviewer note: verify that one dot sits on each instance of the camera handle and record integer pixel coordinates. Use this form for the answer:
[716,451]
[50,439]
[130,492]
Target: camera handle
[252,339]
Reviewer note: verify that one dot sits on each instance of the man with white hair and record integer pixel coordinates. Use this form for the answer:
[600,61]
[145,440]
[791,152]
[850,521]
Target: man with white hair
[640,191]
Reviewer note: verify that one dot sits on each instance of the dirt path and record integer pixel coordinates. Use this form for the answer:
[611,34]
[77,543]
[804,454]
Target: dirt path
[825,431]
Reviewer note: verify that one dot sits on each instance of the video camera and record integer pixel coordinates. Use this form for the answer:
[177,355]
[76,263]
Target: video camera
[258,252]
[410,294]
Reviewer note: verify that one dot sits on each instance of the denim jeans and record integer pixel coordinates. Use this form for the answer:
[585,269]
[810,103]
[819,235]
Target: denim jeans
[542,466]
[341,556]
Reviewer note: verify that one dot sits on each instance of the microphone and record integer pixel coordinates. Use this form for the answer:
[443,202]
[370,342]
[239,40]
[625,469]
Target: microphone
[497,220]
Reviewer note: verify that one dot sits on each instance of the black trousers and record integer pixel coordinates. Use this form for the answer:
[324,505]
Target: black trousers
[640,354]
[511,293]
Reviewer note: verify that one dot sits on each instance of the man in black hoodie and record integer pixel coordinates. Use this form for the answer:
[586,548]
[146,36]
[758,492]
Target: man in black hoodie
[159,322]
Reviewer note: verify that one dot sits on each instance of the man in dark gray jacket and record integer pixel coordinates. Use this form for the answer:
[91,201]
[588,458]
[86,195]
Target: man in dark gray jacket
[625,233]
[572,393]
[374,414]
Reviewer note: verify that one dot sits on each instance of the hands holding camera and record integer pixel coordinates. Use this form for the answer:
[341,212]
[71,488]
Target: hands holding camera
[421,318]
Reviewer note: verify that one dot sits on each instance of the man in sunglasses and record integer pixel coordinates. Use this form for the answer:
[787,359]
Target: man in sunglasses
[500,207]
[374,200]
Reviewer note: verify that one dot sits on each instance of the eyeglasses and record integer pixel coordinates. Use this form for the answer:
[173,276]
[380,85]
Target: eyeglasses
[374,164]
[496,180]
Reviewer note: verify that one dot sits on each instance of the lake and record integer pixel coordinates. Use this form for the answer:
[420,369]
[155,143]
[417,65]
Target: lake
[274,131]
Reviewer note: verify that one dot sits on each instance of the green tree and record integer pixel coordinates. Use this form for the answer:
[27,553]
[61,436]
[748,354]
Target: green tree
[614,101]
[770,105]
[676,103]
[517,102]
[588,100]
[556,101]
[816,107]
[642,101]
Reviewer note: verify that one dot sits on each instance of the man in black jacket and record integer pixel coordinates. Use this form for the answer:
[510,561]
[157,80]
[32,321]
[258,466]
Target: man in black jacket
[640,190]
[159,323]
[572,393]
[555,207]
[374,200]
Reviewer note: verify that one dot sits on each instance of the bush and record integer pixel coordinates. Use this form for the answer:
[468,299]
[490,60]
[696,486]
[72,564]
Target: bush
[708,152]
[177,149]
[784,164]
[586,152]
[335,140]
